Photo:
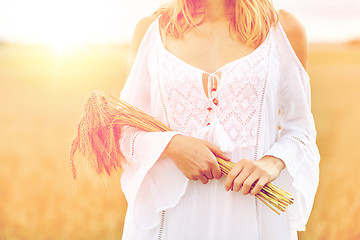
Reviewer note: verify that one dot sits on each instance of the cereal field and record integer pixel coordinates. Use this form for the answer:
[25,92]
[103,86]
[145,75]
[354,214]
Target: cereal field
[42,95]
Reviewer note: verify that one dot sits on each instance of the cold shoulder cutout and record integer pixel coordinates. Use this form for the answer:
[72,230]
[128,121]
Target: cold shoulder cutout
[296,34]
[138,35]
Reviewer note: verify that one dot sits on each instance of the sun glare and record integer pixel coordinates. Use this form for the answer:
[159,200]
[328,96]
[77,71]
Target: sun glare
[65,40]
[67,25]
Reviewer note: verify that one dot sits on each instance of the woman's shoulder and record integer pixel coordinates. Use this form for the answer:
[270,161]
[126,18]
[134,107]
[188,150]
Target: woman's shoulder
[295,32]
[140,29]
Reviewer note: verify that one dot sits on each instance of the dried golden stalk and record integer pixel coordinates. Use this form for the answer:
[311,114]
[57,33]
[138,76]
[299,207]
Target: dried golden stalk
[269,194]
[98,136]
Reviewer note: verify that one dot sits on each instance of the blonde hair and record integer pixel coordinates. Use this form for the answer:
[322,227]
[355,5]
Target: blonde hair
[250,22]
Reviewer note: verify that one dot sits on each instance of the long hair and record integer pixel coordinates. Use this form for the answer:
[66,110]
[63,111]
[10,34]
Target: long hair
[250,22]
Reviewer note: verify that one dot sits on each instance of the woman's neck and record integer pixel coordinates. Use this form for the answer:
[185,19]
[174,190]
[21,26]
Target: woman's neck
[215,10]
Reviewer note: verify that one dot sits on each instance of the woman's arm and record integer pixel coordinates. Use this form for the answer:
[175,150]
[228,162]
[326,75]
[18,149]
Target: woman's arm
[268,168]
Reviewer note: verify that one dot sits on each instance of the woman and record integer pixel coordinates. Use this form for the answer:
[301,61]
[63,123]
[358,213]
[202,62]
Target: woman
[224,76]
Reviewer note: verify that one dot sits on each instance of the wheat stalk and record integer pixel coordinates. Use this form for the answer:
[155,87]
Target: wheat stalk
[272,196]
[99,131]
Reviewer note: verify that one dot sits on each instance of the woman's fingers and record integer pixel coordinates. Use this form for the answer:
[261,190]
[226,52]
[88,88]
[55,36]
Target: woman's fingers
[212,169]
[203,179]
[216,150]
[216,171]
[247,177]
[207,173]
[259,185]
[232,175]
[248,183]
[239,180]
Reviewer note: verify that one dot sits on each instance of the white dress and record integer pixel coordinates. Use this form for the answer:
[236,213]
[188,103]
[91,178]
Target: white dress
[258,94]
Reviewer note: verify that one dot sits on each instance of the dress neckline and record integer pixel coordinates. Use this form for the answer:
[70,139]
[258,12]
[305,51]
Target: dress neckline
[261,46]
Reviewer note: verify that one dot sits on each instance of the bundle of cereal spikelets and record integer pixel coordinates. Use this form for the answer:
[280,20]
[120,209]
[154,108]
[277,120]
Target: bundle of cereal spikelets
[98,136]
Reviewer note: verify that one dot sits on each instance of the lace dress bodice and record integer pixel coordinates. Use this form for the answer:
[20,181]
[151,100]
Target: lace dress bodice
[240,94]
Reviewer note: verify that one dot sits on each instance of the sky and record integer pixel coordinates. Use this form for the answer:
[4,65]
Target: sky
[113,21]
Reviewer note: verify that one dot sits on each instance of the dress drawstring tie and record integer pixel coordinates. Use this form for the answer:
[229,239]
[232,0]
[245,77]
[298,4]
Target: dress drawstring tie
[214,131]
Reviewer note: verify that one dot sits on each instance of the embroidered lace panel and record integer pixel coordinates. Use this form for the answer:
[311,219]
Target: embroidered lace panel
[240,92]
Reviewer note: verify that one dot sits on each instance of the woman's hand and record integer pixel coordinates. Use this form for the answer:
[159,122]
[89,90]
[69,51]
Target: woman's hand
[195,158]
[260,172]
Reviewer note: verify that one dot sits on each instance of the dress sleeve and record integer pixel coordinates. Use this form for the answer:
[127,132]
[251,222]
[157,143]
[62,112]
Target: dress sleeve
[296,144]
[150,183]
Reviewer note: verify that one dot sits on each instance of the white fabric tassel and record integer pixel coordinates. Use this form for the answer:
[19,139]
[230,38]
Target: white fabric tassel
[215,133]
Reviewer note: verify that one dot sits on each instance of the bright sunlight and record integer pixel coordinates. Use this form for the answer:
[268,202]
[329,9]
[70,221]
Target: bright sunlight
[66,24]
[72,24]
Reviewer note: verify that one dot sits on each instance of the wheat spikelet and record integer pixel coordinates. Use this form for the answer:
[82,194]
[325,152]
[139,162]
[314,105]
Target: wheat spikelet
[99,131]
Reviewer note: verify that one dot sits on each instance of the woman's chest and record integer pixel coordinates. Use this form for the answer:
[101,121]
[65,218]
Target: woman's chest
[207,51]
